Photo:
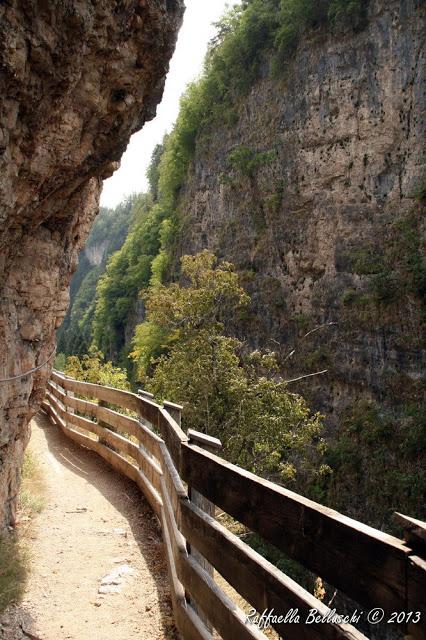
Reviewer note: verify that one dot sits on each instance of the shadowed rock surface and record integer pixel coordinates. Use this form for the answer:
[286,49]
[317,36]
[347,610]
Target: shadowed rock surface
[76,80]
[329,228]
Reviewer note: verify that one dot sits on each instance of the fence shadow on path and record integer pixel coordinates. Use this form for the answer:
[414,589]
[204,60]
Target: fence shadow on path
[127,499]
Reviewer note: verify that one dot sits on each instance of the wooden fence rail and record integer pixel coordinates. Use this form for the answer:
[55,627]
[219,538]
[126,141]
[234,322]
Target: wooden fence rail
[150,447]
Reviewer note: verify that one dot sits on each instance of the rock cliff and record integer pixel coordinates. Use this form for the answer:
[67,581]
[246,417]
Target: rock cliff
[76,80]
[312,194]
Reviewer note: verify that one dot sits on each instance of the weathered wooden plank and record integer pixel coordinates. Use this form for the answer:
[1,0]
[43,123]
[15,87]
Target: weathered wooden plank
[414,532]
[57,406]
[148,409]
[203,440]
[224,615]
[123,423]
[175,410]
[56,391]
[214,445]
[368,565]
[118,397]
[257,580]
[144,407]
[190,625]
[150,441]
[45,406]
[149,467]
[172,435]
[83,423]
[82,406]
[416,596]
[50,410]
[146,394]
[175,488]
[187,622]
[227,618]
[177,540]
[149,491]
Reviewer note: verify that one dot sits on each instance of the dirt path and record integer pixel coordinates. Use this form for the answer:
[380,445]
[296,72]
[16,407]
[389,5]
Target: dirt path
[94,528]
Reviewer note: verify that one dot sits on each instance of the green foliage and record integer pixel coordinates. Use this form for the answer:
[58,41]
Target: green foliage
[407,250]
[385,287]
[13,570]
[347,10]
[396,268]
[319,358]
[153,172]
[296,17]
[127,272]
[93,368]
[60,361]
[15,548]
[183,355]
[247,161]
[421,190]
[249,37]
[290,567]
[380,455]
[365,260]
[31,494]
[349,296]
[107,235]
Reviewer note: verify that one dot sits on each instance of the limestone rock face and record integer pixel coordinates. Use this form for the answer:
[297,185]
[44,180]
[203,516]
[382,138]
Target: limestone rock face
[327,228]
[77,78]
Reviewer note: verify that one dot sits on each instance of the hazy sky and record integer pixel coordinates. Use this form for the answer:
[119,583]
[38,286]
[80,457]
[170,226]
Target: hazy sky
[186,64]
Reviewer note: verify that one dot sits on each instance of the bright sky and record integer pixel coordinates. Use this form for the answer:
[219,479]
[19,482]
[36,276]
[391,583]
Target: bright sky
[186,64]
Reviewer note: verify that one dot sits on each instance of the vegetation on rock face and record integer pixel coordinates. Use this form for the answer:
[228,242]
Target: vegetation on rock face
[107,235]
[93,368]
[254,38]
[183,355]
[247,36]
[246,161]
[128,271]
[378,455]
[393,270]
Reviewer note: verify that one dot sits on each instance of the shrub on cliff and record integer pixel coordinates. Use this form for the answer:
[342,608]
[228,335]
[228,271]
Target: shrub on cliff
[93,368]
[184,356]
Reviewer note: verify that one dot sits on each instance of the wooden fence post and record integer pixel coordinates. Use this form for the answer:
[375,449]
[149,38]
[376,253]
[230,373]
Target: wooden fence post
[175,411]
[213,445]
[101,423]
[70,394]
[149,396]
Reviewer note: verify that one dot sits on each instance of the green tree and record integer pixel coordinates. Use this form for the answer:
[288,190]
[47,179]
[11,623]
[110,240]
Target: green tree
[183,355]
[128,271]
[93,368]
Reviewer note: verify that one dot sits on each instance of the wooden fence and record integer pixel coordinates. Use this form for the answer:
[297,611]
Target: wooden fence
[170,467]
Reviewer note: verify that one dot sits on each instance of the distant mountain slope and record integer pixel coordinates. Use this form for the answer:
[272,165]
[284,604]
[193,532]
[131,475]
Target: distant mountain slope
[106,237]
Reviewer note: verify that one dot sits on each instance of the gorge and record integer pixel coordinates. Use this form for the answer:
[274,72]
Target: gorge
[307,173]
[298,156]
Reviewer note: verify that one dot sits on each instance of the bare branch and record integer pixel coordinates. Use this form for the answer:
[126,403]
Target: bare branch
[308,375]
[320,326]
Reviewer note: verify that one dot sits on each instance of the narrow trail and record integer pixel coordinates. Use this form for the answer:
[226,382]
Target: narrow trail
[94,526]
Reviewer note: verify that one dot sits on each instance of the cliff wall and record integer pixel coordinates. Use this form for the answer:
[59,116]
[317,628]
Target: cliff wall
[77,79]
[313,193]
